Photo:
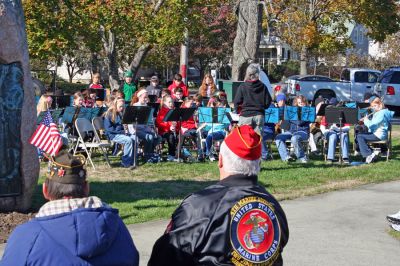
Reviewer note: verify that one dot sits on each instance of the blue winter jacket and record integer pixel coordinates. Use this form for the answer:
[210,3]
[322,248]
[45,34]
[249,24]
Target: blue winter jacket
[81,237]
[113,128]
[379,124]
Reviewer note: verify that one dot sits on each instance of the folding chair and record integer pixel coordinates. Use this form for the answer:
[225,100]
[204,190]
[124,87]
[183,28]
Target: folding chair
[83,127]
[376,145]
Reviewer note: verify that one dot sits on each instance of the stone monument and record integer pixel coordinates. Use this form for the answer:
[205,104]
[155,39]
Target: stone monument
[19,165]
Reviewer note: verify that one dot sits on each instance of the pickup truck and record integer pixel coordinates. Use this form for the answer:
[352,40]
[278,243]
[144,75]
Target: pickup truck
[353,84]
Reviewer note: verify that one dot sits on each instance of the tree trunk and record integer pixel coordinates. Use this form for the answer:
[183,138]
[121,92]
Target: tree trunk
[139,57]
[247,40]
[111,52]
[303,60]
[94,62]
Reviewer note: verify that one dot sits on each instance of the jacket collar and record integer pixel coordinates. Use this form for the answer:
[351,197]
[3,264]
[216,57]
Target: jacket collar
[239,180]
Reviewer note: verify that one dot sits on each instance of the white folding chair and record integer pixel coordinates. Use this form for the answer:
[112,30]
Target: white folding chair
[83,127]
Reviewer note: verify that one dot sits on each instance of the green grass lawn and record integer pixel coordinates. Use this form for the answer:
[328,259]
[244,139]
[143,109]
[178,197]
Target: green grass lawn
[394,233]
[154,191]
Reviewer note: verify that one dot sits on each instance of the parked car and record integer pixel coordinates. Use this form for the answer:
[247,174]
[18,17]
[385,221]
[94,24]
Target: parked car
[354,83]
[388,87]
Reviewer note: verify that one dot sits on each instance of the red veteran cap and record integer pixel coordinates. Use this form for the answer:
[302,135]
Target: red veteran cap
[244,142]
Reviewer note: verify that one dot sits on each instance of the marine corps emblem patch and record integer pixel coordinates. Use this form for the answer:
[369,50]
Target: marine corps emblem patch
[255,232]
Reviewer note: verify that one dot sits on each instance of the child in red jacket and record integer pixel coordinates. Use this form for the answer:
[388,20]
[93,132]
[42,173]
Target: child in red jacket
[168,130]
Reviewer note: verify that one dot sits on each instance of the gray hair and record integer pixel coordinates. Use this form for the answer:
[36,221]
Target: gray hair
[252,72]
[235,165]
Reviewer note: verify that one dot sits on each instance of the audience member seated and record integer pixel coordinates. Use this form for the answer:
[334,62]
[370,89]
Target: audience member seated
[297,133]
[234,222]
[116,132]
[167,130]
[73,228]
[378,127]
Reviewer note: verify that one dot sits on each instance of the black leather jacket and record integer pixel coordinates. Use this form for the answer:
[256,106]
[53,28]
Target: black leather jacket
[200,230]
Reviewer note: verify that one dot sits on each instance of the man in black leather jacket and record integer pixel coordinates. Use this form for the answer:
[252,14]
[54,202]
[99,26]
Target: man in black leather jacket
[234,222]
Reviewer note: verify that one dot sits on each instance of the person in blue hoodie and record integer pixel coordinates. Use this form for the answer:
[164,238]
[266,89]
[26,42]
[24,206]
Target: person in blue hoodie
[378,127]
[299,131]
[72,228]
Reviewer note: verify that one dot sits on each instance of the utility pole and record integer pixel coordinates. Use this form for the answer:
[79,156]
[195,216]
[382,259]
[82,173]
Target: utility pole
[184,53]
[184,56]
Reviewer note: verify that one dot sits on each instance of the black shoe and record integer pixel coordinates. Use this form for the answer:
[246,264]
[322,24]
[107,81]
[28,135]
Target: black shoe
[316,153]
[200,158]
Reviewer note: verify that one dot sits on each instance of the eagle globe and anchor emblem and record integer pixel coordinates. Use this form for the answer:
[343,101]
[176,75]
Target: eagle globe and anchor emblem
[255,232]
[255,236]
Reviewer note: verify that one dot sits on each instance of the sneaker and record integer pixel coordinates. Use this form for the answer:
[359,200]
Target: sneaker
[396,227]
[394,218]
[211,157]
[303,160]
[289,159]
[316,153]
[370,158]
[356,153]
[171,158]
[329,161]
[346,161]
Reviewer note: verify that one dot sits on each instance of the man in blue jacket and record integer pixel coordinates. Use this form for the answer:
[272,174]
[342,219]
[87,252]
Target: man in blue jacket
[72,228]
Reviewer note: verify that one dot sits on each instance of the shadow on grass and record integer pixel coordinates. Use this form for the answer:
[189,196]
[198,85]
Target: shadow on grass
[130,192]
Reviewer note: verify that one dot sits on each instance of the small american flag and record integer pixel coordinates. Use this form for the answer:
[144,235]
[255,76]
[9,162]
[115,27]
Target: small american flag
[46,136]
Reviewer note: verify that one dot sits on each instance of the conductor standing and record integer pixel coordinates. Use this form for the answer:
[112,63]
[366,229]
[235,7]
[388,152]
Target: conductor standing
[253,98]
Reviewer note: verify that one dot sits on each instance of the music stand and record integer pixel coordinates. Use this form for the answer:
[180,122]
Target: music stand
[204,101]
[271,115]
[60,101]
[321,111]
[155,106]
[341,115]
[291,113]
[307,114]
[152,98]
[136,115]
[177,104]
[100,94]
[362,105]
[179,115]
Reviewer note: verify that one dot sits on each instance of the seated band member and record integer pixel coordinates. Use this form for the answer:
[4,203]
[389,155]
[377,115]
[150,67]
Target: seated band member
[189,127]
[378,124]
[298,132]
[332,133]
[116,132]
[269,129]
[144,132]
[72,228]
[212,132]
[168,130]
[234,222]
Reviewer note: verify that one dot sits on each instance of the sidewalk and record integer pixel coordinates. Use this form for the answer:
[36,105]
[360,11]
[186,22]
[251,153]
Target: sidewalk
[346,227]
